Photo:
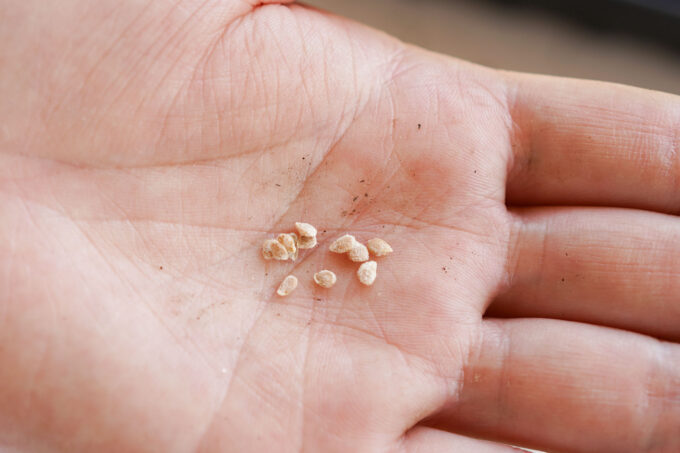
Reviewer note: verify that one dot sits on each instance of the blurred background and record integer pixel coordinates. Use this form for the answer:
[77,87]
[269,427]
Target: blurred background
[636,42]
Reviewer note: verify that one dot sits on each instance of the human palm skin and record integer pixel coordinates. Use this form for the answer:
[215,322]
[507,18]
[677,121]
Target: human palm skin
[147,150]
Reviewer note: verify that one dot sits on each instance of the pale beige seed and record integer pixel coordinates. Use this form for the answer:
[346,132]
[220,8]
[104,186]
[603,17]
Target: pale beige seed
[297,246]
[325,278]
[306,230]
[343,244]
[273,249]
[287,286]
[367,272]
[379,247]
[289,241]
[359,253]
[267,249]
[307,242]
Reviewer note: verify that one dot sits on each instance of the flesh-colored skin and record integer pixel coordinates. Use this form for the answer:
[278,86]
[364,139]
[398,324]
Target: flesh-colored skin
[147,148]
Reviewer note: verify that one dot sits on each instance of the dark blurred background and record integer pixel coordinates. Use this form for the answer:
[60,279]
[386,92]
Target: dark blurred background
[636,42]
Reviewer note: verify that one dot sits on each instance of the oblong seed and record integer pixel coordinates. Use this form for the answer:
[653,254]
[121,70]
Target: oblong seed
[359,253]
[306,242]
[277,250]
[287,286]
[325,278]
[379,247]
[288,241]
[305,229]
[267,252]
[367,272]
[343,244]
[297,247]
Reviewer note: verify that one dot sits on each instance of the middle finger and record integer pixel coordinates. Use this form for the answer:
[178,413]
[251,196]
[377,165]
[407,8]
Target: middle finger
[614,267]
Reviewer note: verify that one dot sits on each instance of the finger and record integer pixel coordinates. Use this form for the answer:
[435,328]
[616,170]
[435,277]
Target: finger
[558,385]
[591,143]
[428,440]
[614,267]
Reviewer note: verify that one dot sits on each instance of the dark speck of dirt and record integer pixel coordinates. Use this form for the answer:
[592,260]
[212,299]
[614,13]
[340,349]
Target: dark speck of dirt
[419,126]
[562,278]
[161,268]
[266,273]
[365,195]
[324,231]
[318,299]
[475,171]
[278,185]
[353,211]
[303,158]
[565,254]
[363,180]
[445,269]
[355,198]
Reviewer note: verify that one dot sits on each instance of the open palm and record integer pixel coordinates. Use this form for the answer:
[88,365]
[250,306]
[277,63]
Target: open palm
[148,149]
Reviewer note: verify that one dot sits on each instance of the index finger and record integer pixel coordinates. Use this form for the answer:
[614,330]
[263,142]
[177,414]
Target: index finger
[581,142]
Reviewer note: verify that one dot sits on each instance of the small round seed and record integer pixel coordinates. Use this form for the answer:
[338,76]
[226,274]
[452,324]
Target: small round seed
[288,241]
[287,286]
[367,272]
[305,229]
[325,278]
[275,249]
[306,242]
[343,244]
[379,247]
[359,253]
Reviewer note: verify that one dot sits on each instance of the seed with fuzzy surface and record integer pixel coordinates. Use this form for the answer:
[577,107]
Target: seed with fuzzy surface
[367,272]
[273,249]
[289,241]
[287,286]
[379,247]
[359,253]
[306,230]
[325,278]
[343,244]
[307,242]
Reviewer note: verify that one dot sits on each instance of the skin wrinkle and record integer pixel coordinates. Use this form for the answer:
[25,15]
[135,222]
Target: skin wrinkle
[675,163]
[149,304]
[304,383]
[104,54]
[654,396]
[503,385]
[649,419]
[202,437]
[519,140]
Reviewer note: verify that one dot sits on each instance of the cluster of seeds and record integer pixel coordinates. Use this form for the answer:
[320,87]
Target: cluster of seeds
[359,253]
[287,245]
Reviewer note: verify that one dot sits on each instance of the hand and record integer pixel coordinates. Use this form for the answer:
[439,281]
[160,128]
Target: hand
[148,148]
